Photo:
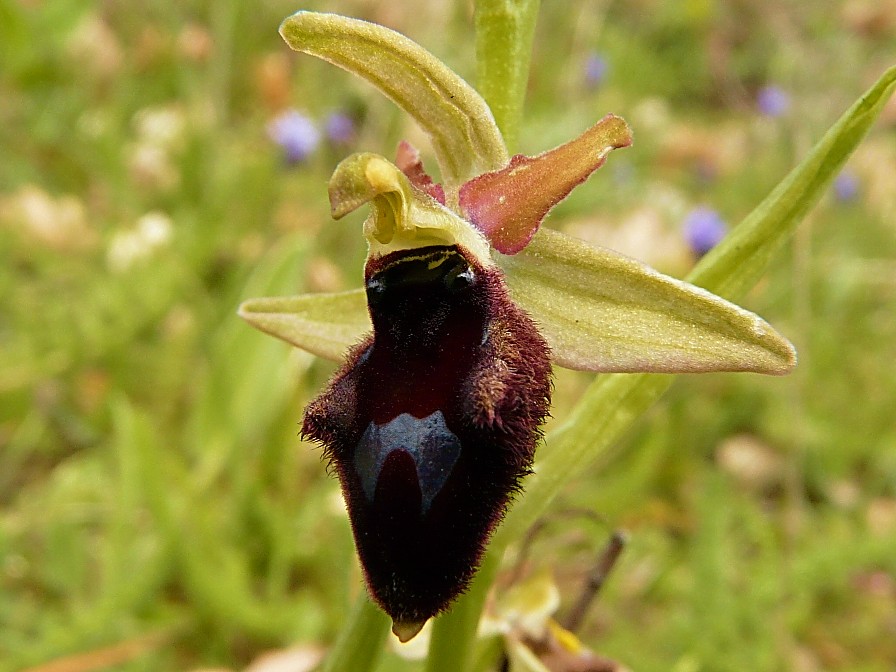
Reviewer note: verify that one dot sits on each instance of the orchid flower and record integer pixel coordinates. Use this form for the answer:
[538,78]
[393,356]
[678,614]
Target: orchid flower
[432,420]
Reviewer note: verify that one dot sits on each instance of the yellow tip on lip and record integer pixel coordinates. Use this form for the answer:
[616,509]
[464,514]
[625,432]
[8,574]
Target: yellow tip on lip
[407,630]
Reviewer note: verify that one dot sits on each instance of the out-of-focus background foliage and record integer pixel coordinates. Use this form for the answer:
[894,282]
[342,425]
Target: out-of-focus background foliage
[161,160]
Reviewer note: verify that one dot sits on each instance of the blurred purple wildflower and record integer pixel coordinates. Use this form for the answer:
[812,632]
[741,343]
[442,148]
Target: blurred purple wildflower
[772,101]
[295,133]
[846,186]
[340,128]
[703,228]
[596,68]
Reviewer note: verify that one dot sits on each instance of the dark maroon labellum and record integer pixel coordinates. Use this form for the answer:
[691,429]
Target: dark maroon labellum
[431,424]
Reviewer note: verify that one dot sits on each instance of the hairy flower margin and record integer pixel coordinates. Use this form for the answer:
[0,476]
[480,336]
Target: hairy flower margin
[596,310]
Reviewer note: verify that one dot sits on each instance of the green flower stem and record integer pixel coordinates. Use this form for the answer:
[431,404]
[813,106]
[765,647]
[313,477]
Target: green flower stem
[361,640]
[504,33]
[454,632]
[613,402]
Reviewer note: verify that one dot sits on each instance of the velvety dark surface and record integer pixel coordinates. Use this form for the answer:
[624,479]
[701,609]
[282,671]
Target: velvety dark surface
[432,423]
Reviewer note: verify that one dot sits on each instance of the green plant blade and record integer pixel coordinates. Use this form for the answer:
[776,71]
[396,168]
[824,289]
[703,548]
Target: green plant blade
[614,402]
[463,132]
[454,632]
[601,311]
[737,264]
[361,640]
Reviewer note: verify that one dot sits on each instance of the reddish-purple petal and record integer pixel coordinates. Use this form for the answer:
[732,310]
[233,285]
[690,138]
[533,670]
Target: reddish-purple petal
[508,205]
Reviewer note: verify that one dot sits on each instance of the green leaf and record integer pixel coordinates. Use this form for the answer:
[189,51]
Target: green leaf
[463,132]
[737,264]
[614,402]
[601,311]
[247,383]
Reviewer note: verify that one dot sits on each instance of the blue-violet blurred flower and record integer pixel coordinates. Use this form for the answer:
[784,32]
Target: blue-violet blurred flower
[596,68]
[340,128]
[772,101]
[703,229]
[846,186]
[296,134]
[432,420]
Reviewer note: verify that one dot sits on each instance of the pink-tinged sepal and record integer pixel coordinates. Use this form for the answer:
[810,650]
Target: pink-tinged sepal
[408,160]
[508,205]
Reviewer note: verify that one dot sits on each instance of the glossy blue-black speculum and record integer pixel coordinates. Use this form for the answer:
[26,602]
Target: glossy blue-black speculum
[431,424]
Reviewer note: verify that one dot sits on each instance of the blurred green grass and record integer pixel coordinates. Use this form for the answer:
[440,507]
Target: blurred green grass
[151,479]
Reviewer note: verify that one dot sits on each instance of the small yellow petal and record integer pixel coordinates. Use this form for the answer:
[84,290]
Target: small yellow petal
[401,217]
